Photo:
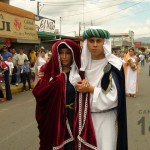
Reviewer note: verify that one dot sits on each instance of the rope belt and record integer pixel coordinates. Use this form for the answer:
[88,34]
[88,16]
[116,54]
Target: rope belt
[104,111]
[70,106]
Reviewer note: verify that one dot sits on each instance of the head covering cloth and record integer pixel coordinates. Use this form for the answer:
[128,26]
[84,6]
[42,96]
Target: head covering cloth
[50,94]
[86,55]
[96,33]
[54,67]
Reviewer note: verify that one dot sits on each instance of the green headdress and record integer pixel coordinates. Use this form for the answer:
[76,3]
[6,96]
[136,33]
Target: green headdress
[96,33]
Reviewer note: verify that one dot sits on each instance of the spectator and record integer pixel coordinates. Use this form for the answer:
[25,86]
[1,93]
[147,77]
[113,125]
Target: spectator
[4,69]
[32,57]
[5,53]
[14,74]
[11,67]
[20,58]
[142,59]
[26,75]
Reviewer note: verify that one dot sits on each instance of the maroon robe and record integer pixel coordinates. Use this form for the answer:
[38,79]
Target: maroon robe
[50,94]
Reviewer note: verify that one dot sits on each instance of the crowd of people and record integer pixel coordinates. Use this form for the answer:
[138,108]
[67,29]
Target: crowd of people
[20,67]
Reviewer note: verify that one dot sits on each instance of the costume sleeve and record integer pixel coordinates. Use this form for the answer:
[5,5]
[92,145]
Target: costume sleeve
[104,101]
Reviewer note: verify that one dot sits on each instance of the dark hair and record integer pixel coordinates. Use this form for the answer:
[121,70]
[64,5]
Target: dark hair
[43,50]
[61,46]
[131,48]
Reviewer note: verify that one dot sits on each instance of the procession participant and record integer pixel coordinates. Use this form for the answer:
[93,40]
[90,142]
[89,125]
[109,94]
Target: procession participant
[55,95]
[40,61]
[131,73]
[104,80]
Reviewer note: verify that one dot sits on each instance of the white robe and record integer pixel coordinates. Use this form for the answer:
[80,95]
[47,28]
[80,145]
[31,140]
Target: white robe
[104,122]
[131,79]
[38,64]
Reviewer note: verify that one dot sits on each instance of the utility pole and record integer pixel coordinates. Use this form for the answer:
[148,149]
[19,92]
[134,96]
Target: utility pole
[38,7]
[79,28]
[60,28]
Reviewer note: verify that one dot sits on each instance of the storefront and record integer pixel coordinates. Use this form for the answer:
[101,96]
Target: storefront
[16,26]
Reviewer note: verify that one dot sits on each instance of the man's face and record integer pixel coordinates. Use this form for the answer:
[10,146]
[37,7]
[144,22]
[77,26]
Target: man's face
[95,46]
[65,57]
[21,51]
[4,49]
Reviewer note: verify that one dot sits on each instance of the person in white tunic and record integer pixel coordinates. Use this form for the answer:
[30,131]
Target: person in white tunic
[97,61]
[131,73]
[40,61]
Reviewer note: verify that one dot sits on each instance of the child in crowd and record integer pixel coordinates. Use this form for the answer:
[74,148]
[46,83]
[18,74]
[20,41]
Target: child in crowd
[11,67]
[26,75]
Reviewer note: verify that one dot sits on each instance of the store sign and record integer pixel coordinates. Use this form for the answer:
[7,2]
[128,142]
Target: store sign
[12,26]
[137,44]
[45,24]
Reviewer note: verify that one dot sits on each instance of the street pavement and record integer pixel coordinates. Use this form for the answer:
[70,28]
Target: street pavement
[138,114]
[18,128]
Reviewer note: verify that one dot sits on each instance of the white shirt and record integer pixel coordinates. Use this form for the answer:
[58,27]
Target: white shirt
[99,100]
[10,65]
[21,58]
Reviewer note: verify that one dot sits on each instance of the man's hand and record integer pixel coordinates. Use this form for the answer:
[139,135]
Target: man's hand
[84,87]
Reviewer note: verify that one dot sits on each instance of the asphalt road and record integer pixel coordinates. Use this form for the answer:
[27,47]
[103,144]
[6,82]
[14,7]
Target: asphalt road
[18,128]
[138,114]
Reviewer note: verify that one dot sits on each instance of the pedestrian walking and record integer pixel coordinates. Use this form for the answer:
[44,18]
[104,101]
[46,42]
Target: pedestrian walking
[131,73]
[104,81]
[40,61]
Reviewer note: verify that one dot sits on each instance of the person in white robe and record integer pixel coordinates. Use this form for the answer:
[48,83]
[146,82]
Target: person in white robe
[40,61]
[131,73]
[96,55]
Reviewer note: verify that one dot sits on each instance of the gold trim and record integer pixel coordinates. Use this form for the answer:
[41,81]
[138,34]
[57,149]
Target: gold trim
[70,106]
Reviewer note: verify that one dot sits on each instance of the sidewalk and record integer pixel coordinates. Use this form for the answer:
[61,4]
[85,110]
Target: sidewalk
[14,89]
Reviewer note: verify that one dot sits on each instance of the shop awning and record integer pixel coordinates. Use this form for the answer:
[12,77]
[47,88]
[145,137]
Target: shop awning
[46,35]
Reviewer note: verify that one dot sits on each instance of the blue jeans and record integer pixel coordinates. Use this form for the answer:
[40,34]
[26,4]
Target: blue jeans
[18,74]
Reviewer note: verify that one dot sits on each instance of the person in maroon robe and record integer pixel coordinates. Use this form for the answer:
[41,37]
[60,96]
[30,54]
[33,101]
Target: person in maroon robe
[57,102]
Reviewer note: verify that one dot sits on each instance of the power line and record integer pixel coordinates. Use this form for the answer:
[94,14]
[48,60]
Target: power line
[101,8]
[122,17]
[118,11]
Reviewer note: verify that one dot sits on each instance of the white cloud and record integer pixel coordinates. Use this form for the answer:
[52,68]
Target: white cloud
[107,13]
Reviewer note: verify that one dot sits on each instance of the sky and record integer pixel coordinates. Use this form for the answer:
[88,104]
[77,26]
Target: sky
[116,16]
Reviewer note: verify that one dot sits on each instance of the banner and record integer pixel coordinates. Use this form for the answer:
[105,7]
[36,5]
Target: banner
[12,26]
[44,24]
